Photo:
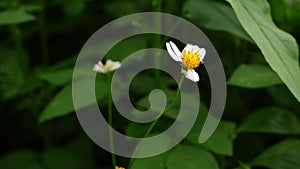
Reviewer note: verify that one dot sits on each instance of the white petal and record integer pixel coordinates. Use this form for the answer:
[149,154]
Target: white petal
[96,68]
[192,75]
[176,50]
[109,62]
[102,70]
[195,48]
[115,65]
[188,47]
[202,53]
[172,54]
[100,63]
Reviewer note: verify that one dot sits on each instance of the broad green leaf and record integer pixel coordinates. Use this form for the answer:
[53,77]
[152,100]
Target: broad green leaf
[254,76]
[58,77]
[17,16]
[32,7]
[221,142]
[286,98]
[278,47]
[157,162]
[216,16]
[132,131]
[20,159]
[190,157]
[62,103]
[284,155]
[271,120]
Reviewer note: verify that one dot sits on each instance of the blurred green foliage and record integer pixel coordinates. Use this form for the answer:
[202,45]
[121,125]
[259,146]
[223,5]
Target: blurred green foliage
[257,41]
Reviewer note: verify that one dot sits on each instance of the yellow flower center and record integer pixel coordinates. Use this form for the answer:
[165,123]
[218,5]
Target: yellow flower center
[119,167]
[190,59]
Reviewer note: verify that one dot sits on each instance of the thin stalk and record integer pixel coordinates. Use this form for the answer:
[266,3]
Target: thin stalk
[158,117]
[17,38]
[110,121]
[167,109]
[18,42]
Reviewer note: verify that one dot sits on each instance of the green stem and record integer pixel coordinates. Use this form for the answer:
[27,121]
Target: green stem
[16,34]
[110,121]
[158,117]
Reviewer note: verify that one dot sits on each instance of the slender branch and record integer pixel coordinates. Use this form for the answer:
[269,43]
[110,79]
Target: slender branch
[110,121]
[158,117]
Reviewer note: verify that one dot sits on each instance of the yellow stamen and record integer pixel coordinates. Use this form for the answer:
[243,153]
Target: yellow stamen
[190,59]
[119,167]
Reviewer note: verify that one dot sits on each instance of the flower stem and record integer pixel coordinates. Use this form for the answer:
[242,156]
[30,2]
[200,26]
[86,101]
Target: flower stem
[167,108]
[158,117]
[110,121]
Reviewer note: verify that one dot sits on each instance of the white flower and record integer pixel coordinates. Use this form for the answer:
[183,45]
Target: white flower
[108,67]
[191,57]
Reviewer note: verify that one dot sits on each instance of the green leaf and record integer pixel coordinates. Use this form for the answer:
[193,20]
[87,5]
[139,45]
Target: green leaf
[271,120]
[58,77]
[284,155]
[221,142]
[216,16]
[132,131]
[20,159]
[17,16]
[254,76]
[62,103]
[286,98]
[278,47]
[32,7]
[157,162]
[190,157]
